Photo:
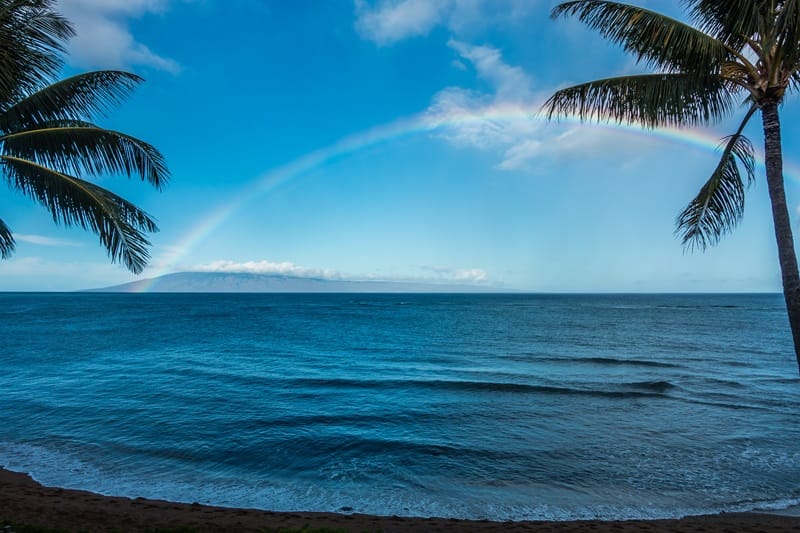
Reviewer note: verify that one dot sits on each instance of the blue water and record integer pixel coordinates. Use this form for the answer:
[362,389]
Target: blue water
[472,406]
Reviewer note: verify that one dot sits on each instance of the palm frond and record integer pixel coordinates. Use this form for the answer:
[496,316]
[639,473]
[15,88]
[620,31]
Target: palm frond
[81,97]
[731,21]
[76,202]
[74,147]
[788,32]
[649,100]
[794,80]
[32,39]
[733,70]
[7,243]
[655,39]
[719,205]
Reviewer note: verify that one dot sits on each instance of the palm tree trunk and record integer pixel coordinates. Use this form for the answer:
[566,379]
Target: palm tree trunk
[773,159]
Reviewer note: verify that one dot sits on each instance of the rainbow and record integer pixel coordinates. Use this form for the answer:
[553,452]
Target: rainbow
[418,124]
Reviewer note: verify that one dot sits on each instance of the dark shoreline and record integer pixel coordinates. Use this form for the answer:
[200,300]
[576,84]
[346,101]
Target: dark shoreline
[24,501]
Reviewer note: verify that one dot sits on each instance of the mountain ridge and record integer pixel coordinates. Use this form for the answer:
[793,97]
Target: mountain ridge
[252,282]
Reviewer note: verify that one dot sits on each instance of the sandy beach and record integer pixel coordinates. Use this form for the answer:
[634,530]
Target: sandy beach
[24,501]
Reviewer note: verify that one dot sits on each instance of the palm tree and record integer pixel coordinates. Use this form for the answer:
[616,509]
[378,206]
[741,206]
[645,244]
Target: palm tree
[732,51]
[49,143]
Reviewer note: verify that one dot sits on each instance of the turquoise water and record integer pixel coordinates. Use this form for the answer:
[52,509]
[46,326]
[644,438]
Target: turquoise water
[472,406]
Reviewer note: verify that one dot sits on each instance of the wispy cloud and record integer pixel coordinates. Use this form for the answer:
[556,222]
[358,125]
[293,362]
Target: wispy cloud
[104,38]
[471,275]
[502,118]
[516,140]
[510,83]
[44,241]
[386,22]
[389,22]
[520,153]
[429,274]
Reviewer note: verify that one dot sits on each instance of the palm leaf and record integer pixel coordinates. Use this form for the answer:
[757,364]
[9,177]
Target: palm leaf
[650,100]
[735,71]
[74,147]
[719,205]
[7,243]
[794,80]
[32,40]
[84,96]
[788,32]
[656,39]
[73,201]
[732,21]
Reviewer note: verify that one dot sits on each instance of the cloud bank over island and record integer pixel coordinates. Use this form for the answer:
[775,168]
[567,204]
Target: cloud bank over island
[428,274]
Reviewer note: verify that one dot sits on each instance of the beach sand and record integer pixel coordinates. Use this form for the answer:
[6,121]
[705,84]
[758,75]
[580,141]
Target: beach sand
[24,501]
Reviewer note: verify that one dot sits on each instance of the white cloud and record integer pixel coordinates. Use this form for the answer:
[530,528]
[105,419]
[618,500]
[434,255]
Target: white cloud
[503,120]
[510,83]
[500,120]
[104,39]
[520,154]
[471,275]
[44,241]
[389,21]
[457,115]
[485,125]
[285,268]
[267,267]
[393,21]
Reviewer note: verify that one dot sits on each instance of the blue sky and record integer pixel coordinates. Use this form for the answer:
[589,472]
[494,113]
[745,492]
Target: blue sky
[391,140]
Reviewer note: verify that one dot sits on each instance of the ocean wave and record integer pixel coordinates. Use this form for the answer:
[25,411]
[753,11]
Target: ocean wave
[338,420]
[726,405]
[768,505]
[466,407]
[739,364]
[658,385]
[309,387]
[608,361]
[732,383]
[341,488]
[697,306]
[620,390]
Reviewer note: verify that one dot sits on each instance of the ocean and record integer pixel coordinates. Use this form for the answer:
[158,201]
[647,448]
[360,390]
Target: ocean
[504,407]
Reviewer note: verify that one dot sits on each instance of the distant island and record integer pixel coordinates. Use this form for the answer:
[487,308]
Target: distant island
[246,282]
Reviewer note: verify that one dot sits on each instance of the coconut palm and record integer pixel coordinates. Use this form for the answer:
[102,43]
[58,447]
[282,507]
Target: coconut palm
[731,52]
[49,144]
